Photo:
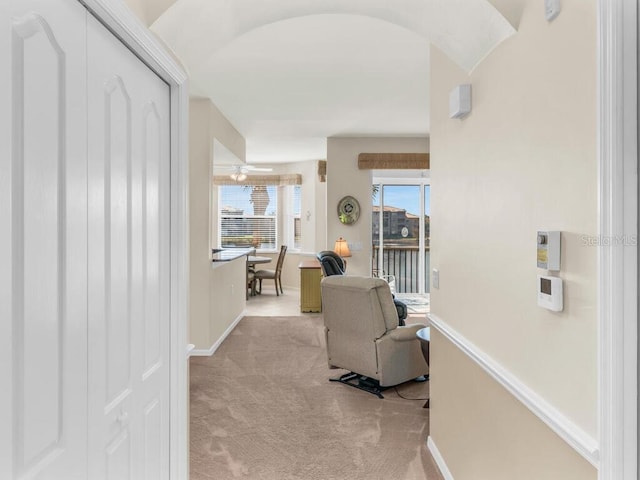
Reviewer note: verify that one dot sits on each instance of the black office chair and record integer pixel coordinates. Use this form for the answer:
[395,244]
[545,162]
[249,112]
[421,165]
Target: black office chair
[333,264]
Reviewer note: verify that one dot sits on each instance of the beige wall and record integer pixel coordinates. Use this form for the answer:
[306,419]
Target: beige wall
[484,432]
[139,8]
[213,306]
[313,211]
[149,10]
[200,266]
[291,272]
[227,296]
[223,131]
[344,178]
[523,160]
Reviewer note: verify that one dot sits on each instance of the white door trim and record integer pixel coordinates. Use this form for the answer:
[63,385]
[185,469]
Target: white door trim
[121,21]
[617,251]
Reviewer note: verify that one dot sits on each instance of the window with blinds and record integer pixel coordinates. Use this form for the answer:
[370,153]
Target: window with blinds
[248,216]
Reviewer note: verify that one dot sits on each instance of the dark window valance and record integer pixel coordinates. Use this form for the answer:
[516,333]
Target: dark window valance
[322,170]
[393,161]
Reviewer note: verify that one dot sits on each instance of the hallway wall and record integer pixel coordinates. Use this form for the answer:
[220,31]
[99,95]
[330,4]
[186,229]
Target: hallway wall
[148,11]
[213,307]
[523,160]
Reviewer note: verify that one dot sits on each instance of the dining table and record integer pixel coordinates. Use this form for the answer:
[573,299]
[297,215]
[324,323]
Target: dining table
[252,261]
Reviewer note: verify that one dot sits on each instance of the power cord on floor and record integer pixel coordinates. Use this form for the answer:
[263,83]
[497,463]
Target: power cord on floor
[407,398]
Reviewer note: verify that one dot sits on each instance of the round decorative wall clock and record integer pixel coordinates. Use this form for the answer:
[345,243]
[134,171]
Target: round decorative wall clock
[348,210]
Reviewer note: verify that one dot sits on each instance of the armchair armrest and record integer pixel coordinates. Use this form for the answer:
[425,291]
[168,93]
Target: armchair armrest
[405,333]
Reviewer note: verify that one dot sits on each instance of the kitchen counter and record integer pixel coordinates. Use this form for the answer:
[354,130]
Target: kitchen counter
[228,254]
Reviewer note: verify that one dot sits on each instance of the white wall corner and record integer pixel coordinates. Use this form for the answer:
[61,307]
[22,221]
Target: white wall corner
[437,456]
[207,352]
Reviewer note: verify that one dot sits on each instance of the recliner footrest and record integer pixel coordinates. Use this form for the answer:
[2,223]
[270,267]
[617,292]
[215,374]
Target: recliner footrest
[360,382]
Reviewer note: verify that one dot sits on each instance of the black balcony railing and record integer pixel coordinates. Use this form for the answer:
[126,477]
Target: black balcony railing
[402,263]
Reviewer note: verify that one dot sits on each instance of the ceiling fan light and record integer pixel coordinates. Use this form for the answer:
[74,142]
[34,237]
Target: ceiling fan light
[238,176]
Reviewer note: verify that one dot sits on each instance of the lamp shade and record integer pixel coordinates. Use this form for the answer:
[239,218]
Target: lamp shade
[342,248]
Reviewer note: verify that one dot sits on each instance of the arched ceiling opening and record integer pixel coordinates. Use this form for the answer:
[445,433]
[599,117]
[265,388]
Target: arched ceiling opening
[290,73]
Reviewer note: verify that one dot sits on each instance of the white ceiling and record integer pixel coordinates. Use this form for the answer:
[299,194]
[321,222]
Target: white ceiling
[290,73]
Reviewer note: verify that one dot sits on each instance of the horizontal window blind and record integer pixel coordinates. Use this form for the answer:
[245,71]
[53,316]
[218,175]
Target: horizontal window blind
[248,216]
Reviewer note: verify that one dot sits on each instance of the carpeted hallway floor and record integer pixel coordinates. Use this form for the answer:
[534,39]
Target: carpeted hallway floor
[262,408]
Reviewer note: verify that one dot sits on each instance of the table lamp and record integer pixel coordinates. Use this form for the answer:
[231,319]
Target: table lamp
[342,248]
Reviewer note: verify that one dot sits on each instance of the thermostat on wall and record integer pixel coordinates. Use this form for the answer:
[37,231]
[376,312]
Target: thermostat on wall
[550,293]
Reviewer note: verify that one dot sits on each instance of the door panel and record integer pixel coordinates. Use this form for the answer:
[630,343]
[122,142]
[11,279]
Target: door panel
[38,270]
[154,378]
[128,263]
[43,200]
[152,144]
[117,258]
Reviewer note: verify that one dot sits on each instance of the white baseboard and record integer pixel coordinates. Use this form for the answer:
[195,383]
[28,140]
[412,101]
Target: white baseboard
[207,352]
[435,453]
[565,428]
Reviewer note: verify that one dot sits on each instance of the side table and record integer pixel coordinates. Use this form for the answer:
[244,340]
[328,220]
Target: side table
[310,276]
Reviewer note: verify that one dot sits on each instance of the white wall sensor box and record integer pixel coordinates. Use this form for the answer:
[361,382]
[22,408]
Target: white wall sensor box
[460,101]
[550,293]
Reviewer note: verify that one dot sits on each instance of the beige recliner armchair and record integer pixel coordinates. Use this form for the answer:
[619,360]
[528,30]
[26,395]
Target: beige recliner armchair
[363,336]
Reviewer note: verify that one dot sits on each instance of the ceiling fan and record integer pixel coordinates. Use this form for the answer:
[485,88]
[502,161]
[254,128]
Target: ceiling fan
[239,172]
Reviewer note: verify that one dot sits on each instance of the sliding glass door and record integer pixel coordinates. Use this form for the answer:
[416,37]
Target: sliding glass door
[401,234]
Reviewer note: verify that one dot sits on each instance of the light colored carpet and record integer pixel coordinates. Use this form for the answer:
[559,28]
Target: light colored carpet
[262,408]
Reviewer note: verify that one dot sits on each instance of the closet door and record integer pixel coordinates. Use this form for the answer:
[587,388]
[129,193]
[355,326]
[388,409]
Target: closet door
[43,252]
[129,263]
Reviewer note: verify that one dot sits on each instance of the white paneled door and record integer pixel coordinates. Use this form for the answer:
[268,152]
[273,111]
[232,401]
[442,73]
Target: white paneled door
[128,263]
[43,240]
[84,250]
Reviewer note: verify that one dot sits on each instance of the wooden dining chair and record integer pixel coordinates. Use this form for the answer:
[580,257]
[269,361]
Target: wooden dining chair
[251,284]
[275,275]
